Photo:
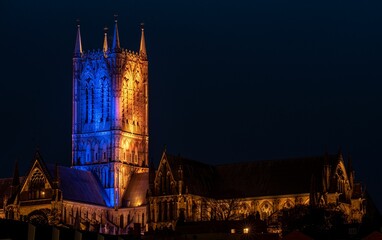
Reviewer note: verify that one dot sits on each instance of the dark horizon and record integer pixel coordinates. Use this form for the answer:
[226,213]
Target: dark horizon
[229,81]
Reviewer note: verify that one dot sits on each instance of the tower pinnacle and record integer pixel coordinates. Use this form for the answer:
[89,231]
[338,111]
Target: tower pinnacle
[78,47]
[142,47]
[105,46]
[116,47]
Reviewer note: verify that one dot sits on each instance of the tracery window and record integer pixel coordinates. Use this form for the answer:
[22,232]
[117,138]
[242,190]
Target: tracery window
[37,185]
[266,210]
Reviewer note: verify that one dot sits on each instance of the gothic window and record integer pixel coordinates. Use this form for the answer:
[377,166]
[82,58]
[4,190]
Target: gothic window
[102,102]
[171,210]
[93,103]
[96,157]
[288,204]
[136,158]
[107,103]
[88,154]
[86,105]
[37,185]
[266,210]
[124,100]
[165,210]
[128,158]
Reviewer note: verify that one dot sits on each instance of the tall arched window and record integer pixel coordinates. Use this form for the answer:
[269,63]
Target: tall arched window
[88,153]
[102,102]
[37,185]
[107,102]
[124,100]
[93,103]
[86,105]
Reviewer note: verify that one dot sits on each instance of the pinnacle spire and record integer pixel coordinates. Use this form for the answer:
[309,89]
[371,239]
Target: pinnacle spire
[142,47]
[78,47]
[116,47]
[105,46]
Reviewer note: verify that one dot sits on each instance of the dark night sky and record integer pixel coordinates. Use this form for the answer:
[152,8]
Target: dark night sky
[229,80]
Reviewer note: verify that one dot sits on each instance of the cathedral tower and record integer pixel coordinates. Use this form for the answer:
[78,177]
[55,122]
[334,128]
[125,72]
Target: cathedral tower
[110,113]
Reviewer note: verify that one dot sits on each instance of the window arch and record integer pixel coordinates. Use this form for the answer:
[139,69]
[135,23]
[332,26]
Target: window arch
[37,185]
[102,102]
[124,99]
[92,104]
[96,154]
[88,156]
[265,210]
[86,105]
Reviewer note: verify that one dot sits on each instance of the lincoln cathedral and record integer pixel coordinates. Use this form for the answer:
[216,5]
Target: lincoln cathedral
[112,188]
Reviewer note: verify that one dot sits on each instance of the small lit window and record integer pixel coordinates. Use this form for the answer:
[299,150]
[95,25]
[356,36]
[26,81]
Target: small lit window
[233,231]
[246,230]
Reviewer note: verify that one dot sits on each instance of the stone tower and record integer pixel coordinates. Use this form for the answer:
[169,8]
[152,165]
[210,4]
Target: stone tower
[110,113]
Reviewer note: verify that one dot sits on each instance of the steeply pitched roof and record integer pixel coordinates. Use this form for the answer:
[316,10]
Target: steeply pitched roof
[198,177]
[250,179]
[80,186]
[137,188]
[268,178]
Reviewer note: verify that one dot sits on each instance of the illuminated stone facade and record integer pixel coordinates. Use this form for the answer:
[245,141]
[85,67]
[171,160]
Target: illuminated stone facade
[193,191]
[105,189]
[110,115]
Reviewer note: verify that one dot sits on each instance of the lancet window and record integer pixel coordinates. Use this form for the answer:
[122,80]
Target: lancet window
[37,185]
[93,104]
[86,105]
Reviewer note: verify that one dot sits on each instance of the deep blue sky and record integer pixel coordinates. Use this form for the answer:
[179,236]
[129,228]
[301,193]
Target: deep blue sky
[229,80]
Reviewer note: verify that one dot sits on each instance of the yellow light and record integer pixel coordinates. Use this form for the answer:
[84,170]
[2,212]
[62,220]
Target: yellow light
[233,231]
[246,230]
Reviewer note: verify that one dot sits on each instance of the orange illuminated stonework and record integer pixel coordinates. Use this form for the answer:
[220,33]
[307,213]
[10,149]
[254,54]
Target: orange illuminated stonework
[195,192]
